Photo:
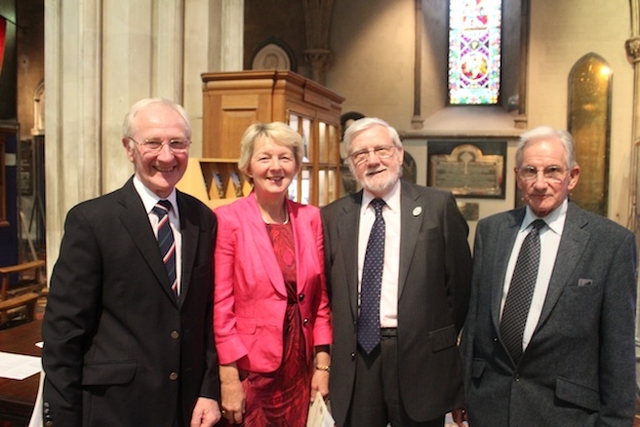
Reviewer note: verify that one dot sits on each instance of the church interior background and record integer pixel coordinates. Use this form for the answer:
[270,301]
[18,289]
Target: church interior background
[388,59]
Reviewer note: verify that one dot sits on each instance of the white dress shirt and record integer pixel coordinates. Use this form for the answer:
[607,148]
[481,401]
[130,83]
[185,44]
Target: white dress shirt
[550,236]
[391,269]
[149,199]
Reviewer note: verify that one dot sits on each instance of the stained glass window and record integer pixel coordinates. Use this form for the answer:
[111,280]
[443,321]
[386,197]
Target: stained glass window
[474,51]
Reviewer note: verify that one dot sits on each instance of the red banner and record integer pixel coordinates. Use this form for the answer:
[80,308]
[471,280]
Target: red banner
[3,30]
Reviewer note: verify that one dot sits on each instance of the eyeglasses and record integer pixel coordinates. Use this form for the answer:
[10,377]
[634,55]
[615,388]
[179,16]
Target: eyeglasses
[383,152]
[155,145]
[552,173]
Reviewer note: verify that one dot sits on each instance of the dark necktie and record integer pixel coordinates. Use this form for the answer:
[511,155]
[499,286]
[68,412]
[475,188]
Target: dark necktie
[166,242]
[523,281]
[369,320]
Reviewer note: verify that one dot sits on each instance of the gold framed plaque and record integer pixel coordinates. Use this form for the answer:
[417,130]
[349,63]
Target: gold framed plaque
[468,168]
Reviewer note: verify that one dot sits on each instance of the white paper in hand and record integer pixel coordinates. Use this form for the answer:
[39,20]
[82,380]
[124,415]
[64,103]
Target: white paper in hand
[319,415]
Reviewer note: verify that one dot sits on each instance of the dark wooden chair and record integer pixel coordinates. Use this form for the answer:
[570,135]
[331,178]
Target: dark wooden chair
[22,306]
[33,284]
[20,300]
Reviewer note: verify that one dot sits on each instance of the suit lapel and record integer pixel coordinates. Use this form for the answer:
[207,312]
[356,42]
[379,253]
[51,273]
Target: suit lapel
[136,222]
[301,238]
[263,247]
[573,243]
[505,238]
[412,209]
[189,229]
[347,225]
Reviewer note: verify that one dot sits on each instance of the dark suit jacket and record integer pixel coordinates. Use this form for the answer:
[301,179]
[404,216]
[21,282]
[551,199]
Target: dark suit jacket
[579,367]
[119,350]
[433,294]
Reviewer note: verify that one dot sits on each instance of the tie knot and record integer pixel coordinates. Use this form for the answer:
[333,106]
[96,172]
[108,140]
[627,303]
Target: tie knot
[162,208]
[378,204]
[537,224]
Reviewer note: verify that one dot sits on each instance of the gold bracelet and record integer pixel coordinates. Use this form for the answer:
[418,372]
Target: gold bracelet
[325,368]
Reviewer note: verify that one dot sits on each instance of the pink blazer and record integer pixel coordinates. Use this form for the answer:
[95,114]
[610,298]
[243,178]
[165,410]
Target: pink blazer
[250,297]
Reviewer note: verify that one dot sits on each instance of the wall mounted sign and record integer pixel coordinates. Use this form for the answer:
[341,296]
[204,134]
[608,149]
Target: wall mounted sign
[468,168]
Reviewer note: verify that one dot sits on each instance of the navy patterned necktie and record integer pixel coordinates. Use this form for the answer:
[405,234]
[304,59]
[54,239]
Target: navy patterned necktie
[166,242]
[523,282]
[369,320]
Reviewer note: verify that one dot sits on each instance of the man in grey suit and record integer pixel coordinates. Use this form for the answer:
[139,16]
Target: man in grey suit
[394,357]
[128,325]
[572,362]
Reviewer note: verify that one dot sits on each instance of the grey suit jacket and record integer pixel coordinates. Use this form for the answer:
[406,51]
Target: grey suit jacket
[433,293]
[579,367]
[119,350]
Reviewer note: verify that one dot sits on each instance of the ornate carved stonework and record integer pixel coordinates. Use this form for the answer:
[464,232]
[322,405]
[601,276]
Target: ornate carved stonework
[632,47]
[317,18]
[319,59]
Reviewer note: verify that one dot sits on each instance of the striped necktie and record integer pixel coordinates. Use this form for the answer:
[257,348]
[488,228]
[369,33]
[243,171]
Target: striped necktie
[166,242]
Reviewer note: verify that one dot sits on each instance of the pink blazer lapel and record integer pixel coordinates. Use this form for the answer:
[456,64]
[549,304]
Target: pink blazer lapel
[301,239]
[263,247]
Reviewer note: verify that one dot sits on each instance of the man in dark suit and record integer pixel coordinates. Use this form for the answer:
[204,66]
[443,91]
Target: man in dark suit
[572,360]
[394,356]
[128,330]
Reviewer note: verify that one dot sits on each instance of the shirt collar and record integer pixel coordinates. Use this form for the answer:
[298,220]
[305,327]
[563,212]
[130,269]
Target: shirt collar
[391,198]
[149,198]
[554,220]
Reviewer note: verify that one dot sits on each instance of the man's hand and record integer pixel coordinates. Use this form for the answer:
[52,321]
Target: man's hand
[206,413]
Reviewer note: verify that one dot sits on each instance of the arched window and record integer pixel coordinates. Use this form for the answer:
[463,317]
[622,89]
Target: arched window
[475,51]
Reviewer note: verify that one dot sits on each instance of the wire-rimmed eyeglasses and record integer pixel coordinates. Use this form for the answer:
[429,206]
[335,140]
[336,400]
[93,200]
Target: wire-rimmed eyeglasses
[553,173]
[382,152]
[155,145]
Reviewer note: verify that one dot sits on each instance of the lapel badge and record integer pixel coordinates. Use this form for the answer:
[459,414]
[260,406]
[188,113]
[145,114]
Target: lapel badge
[417,210]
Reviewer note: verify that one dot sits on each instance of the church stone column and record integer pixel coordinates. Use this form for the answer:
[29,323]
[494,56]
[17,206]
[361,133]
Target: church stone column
[72,111]
[101,57]
[317,19]
[214,40]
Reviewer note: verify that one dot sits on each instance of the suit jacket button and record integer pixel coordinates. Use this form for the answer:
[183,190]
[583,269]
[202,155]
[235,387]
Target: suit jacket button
[48,424]
[175,335]
[301,297]
[305,321]
[173,376]
[353,356]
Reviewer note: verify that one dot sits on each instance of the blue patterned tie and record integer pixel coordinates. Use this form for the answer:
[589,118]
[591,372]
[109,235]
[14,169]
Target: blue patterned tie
[369,320]
[166,242]
[523,282]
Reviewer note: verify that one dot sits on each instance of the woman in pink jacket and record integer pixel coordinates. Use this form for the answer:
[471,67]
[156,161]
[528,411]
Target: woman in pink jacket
[271,310]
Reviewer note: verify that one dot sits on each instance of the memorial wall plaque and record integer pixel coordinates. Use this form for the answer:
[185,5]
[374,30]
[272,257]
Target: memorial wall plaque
[470,211]
[590,86]
[468,168]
